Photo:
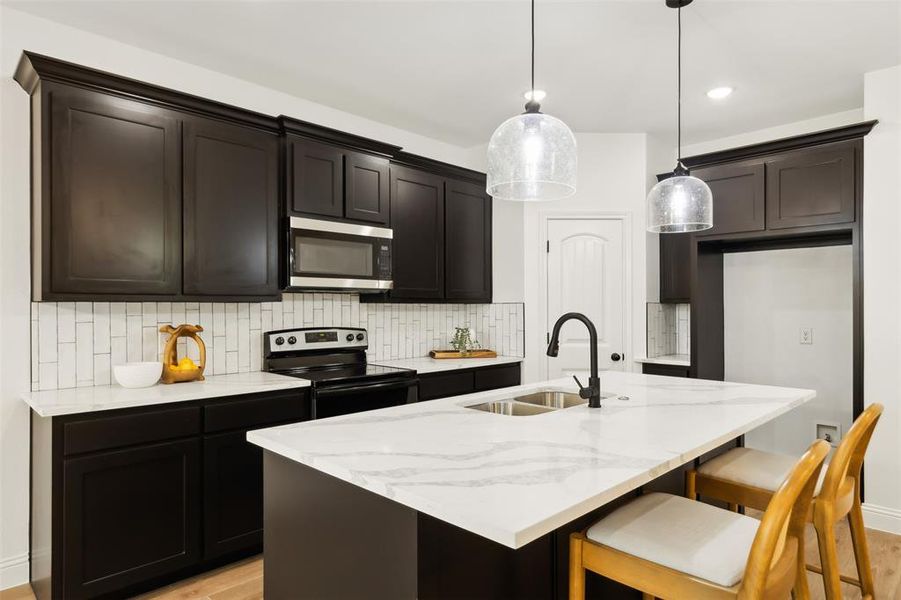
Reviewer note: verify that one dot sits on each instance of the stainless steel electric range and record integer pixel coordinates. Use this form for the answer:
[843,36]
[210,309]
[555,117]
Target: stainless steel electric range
[334,360]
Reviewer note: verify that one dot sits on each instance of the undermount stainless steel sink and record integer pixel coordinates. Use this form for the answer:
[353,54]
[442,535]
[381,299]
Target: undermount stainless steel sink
[510,408]
[552,399]
[556,399]
[536,403]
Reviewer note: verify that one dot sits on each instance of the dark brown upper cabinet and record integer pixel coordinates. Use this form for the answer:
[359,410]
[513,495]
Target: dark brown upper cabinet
[738,197]
[417,206]
[140,191]
[814,186]
[467,250]
[108,205]
[315,178]
[366,196]
[230,210]
[336,175]
[441,217]
[675,267]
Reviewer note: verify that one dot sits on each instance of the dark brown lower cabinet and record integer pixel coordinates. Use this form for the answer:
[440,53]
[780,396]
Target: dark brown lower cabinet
[466,381]
[130,515]
[132,499]
[668,370]
[232,498]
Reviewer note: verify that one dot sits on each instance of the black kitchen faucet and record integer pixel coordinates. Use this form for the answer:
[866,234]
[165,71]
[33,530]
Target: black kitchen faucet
[593,391]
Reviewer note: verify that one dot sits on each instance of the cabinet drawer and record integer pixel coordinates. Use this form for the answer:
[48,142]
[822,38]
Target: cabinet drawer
[115,431]
[443,385]
[250,412]
[491,378]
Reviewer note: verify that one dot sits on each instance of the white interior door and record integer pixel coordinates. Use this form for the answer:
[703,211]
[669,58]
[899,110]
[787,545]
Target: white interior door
[585,274]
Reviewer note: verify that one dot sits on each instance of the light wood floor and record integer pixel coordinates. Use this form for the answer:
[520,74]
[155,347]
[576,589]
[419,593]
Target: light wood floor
[244,580]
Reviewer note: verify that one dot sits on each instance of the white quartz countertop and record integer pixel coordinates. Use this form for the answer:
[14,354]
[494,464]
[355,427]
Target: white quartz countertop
[54,403]
[679,360]
[514,479]
[424,364]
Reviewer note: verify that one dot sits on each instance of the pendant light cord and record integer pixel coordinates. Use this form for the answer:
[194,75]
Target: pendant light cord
[532,106]
[533,49]
[679,88]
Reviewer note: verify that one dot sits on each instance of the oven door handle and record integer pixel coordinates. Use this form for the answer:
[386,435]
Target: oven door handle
[365,387]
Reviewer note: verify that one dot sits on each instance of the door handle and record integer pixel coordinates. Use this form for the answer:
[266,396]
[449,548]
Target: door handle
[615,357]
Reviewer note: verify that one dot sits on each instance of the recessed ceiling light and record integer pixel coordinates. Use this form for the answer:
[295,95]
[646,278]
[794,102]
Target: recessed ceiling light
[718,93]
[538,95]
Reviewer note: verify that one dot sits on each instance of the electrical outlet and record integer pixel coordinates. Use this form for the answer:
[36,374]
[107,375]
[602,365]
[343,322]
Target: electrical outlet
[807,335]
[831,432]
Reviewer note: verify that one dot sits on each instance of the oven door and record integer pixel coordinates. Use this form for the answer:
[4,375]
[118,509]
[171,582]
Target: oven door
[334,400]
[332,255]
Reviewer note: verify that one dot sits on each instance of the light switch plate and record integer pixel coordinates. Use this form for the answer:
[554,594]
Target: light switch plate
[806,335]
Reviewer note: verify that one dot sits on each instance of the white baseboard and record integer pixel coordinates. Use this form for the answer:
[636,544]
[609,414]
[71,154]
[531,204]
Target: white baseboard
[13,571]
[882,518]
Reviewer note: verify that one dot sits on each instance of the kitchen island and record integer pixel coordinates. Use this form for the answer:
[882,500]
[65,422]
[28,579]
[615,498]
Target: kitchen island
[404,502]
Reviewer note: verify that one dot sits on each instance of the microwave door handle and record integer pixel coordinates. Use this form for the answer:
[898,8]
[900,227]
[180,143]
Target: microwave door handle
[365,387]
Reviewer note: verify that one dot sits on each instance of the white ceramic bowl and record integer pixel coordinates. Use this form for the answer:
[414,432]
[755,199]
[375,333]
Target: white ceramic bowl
[138,374]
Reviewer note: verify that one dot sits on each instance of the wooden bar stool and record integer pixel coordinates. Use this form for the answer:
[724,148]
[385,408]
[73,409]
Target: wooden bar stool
[747,477]
[671,547]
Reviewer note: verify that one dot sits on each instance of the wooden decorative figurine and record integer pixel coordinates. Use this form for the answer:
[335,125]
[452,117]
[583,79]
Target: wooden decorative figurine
[178,371]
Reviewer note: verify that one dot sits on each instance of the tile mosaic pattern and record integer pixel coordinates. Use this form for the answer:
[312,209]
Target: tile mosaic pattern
[76,344]
[668,329]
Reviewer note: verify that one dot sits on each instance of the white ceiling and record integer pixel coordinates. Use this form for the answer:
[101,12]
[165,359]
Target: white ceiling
[453,70]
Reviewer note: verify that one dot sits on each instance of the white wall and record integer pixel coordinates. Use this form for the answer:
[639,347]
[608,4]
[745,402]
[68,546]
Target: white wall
[660,157]
[20,31]
[882,294]
[612,179]
[768,297]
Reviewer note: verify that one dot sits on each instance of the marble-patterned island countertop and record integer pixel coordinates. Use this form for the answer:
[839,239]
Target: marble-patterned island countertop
[70,401]
[426,364]
[513,479]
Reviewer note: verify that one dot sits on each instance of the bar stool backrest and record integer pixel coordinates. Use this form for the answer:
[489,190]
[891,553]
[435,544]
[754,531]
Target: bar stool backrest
[843,473]
[773,560]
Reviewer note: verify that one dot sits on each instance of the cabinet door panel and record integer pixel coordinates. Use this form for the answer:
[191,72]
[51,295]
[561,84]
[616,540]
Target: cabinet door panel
[366,188]
[468,247]
[231,210]
[233,494]
[315,178]
[130,515]
[738,197]
[814,186]
[675,266]
[417,207]
[115,196]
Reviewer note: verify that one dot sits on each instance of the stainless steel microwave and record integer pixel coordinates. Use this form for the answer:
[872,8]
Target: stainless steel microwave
[328,255]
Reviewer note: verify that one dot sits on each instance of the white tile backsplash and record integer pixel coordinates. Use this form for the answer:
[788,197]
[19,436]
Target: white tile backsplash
[668,329]
[78,344]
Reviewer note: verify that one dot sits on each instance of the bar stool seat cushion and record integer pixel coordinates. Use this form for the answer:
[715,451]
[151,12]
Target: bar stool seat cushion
[755,468]
[687,536]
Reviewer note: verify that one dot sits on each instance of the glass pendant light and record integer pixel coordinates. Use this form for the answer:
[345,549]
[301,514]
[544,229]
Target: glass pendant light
[681,203]
[532,156]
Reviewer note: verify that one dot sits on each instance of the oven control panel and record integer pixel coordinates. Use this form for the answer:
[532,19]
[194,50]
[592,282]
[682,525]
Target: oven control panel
[319,338]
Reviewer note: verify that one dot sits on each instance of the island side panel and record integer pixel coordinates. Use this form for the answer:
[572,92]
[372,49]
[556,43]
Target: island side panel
[328,539]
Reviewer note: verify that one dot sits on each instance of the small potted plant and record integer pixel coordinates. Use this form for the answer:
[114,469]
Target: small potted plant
[463,341]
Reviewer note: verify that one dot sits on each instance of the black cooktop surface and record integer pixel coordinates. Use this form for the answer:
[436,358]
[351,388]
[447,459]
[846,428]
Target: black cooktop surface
[332,375]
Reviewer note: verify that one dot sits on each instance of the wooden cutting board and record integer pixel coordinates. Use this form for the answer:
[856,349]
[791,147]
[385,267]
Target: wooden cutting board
[478,353]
